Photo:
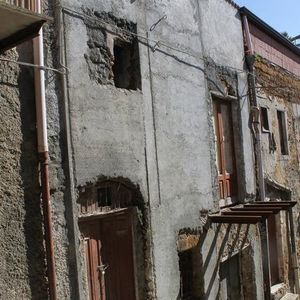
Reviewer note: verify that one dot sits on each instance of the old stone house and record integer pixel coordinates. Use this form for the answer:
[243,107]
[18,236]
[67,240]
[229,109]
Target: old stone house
[156,154]
[276,71]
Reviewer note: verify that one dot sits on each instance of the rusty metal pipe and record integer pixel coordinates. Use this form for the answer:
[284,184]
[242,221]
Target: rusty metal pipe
[42,139]
[48,224]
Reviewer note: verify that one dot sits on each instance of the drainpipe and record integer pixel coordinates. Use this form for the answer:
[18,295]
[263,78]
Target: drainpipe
[40,100]
[250,60]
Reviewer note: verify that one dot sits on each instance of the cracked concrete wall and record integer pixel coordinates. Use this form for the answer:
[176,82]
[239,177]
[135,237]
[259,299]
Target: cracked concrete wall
[22,262]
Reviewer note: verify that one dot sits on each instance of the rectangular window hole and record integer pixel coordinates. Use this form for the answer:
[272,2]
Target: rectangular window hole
[186,275]
[282,132]
[264,119]
[126,67]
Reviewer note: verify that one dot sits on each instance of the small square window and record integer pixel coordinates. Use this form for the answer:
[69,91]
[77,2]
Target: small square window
[186,274]
[264,119]
[282,132]
[126,67]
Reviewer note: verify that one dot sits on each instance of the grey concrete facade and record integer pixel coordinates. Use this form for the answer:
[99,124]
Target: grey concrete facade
[161,137]
[158,138]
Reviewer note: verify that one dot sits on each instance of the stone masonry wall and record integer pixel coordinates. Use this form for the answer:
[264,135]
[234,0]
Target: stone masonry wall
[22,257]
[278,90]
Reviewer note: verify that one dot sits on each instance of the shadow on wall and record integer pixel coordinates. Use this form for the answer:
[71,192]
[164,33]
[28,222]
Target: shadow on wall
[33,223]
[199,273]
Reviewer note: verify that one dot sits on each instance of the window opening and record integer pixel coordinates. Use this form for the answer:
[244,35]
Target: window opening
[264,119]
[230,278]
[282,132]
[186,275]
[225,151]
[106,196]
[126,68]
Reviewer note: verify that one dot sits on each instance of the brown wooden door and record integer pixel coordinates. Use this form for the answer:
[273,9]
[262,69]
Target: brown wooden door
[92,246]
[225,149]
[109,256]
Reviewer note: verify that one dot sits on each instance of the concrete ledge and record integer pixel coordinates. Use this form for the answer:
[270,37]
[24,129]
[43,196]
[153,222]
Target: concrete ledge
[290,296]
[278,291]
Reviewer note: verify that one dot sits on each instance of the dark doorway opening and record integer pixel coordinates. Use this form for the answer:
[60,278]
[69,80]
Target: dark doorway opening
[273,250]
[230,279]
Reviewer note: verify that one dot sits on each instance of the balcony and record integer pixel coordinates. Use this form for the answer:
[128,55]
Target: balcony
[26,4]
[19,21]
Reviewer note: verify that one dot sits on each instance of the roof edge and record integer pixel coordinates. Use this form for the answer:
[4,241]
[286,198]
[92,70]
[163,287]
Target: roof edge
[269,30]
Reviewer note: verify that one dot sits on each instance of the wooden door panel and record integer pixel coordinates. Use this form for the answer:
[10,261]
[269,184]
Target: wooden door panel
[123,238]
[109,257]
[225,149]
[118,254]
[92,250]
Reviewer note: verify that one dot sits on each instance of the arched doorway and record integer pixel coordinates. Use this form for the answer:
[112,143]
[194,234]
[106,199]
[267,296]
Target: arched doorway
[106,224]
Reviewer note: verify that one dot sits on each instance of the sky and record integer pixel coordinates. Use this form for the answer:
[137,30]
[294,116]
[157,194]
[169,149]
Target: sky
[282,15]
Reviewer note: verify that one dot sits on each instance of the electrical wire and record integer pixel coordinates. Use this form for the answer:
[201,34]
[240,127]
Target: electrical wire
[157,43]
[45,68]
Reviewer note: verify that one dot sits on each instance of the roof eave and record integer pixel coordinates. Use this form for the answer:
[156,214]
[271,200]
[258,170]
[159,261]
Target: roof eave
[269,30]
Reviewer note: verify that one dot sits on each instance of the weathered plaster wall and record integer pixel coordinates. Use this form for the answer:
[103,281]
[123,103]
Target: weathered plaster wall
[159,137]
[227,52]
[22,257]
[227,49]
[278,90]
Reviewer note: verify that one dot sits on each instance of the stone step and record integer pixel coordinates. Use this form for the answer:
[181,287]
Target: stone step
[290,296]
[278,291]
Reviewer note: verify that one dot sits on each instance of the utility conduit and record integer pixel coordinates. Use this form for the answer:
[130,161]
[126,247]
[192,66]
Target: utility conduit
[41,119]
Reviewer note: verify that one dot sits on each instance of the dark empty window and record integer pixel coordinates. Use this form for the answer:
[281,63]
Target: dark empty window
[264,119]
[104,197]
[273,250]
[282,132]
[186,275]
[126,66]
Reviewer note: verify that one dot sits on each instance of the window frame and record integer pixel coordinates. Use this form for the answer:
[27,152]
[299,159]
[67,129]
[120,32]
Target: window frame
[232,199]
